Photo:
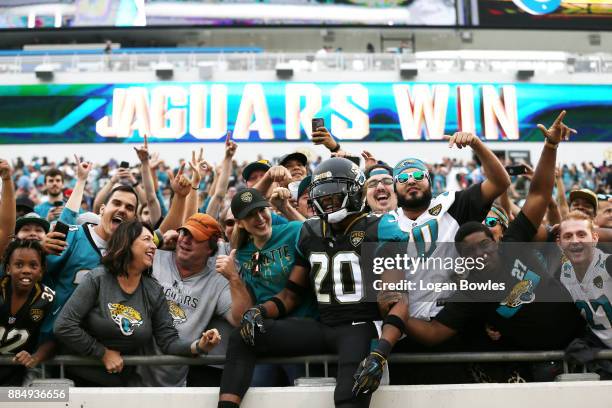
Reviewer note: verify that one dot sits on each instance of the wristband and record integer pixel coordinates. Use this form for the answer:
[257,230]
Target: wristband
[335,149]
[195,188]
[395,321]
[282,311]
[135,184]
[550,144]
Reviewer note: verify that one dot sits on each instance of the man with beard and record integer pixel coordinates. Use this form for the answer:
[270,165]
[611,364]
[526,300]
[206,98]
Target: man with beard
[431,221]
[54,185]
[509,290]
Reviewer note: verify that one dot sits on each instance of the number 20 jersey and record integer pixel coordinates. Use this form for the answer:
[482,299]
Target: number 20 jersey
[342,281]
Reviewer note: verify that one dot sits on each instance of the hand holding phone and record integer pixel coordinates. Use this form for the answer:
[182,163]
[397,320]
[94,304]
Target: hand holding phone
[317,123]
[516,170]
[124,165]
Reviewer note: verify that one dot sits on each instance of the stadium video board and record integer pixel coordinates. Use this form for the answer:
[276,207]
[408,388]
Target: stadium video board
[569,14]
[158,13]
[280,111]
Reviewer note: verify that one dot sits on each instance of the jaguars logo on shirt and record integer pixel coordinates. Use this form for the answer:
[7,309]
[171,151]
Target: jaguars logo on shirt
[178,314]
[521,293]
[126,317]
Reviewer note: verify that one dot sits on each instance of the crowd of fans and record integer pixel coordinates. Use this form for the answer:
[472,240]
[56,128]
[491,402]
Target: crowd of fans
[113,259]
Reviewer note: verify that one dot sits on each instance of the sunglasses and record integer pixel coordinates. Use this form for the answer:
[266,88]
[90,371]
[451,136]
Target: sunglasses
[255,263]
[492,221]
[416,175]
[229,223]
[387,181]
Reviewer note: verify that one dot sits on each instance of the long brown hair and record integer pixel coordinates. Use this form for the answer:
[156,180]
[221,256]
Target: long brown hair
[119,252]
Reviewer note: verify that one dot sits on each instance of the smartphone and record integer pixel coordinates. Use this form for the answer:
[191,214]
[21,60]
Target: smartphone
[317,123]
[61,227]
[516,170]
[124,165]
[58,204]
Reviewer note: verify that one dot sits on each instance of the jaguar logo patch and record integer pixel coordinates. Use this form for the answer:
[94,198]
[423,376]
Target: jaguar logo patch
[178,314]
[126,317]
[521,293]
[435,210]
[246,197]
[598,282]
[357,237]
[36,315]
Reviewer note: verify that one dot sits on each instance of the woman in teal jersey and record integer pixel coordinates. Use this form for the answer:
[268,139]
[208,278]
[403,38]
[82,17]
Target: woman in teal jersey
[265,255]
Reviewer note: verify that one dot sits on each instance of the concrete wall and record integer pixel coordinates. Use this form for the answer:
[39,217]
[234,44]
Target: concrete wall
[558,395]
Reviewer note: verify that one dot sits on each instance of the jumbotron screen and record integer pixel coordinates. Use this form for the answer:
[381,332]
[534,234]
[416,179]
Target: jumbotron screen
[572,14]
[152,13]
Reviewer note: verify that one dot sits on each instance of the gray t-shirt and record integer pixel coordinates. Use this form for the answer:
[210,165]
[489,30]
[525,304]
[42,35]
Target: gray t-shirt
[193,303]
[100,315]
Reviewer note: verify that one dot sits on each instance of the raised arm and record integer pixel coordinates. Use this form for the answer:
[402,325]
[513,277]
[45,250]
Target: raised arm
[498,179]
[543,180]
[7,206]
[83,169]
[276,174]
[222,179]
[197,169]
[147,182]
[181,187]
[280,200]
[561,199]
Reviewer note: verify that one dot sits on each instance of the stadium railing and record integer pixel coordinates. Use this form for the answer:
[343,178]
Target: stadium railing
[247,59]
[418,358]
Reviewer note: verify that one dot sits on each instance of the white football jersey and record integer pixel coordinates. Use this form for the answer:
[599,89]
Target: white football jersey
[432,235]
[592,295]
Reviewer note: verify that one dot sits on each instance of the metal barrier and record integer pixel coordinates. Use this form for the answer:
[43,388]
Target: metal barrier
[417,358]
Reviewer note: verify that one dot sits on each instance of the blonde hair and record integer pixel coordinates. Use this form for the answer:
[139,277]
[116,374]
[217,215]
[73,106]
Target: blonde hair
[579,216]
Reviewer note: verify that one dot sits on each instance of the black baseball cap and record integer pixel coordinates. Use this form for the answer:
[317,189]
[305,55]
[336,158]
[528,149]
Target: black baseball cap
[246,201]
[31,218]
[301,157]
[256,165]
[25,203]
[304,184]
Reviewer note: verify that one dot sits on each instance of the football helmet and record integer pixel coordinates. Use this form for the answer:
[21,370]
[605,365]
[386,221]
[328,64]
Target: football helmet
[336,190]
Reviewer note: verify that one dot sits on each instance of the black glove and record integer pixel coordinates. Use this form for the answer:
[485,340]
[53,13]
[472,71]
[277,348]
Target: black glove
[251,318]
[368,375]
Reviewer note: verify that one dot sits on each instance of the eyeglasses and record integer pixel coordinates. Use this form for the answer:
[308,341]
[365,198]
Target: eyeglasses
[229,222]
[405,177]
[255,264]
[387,181]
[491,222]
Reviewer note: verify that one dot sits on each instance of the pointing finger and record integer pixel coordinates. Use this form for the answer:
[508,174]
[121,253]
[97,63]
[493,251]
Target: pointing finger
[559,118]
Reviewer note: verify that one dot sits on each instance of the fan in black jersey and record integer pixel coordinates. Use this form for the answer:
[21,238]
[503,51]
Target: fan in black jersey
[330,263]
[24,303]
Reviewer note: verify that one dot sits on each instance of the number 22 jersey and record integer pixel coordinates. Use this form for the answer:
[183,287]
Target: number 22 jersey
[341,277]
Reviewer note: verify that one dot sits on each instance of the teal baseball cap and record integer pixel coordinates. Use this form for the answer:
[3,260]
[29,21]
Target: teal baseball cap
[409,163]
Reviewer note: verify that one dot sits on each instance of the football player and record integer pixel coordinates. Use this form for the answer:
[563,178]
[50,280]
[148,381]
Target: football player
[331,249]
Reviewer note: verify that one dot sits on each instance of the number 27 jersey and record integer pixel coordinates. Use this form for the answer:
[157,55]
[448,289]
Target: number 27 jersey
[340,270]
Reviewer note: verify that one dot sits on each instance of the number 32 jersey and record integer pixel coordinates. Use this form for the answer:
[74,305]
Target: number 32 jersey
[20,331]
[342,279]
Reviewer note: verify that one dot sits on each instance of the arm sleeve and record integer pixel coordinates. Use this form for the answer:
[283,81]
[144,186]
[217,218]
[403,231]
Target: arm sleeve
[68,216]
[68,326]
[520,230]
[457,315]
[224,303]
[166,335]
[469,206]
